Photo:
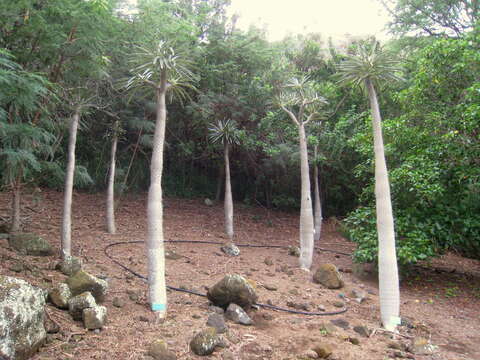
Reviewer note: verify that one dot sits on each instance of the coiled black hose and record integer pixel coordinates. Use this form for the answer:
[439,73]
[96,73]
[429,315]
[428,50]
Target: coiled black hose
[267,306]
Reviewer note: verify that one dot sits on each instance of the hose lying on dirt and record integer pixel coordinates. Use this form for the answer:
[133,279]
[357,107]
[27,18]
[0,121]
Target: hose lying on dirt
[267,306]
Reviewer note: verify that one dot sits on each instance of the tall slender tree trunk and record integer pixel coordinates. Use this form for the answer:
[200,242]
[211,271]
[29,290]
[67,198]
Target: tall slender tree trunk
[318,205]
[16,196]
[387,258]
[68,191]
[228,204]
[155,244]
[111,228]
[306,213]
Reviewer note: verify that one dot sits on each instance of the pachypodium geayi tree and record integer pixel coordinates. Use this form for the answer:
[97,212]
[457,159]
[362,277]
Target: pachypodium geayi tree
[225,132]
[159,68]
[300,101]
[369,66]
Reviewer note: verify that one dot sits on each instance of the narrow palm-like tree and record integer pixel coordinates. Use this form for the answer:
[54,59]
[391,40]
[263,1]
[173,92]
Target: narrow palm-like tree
[300,95]
[369,66]
[161,69]
[111,226]
[318,218]
[225,132]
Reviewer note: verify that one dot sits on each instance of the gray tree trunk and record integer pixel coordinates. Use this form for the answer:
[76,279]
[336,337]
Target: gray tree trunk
[306,213]
[387,258]
[155,241]
[318,205]
[66,236]
[228,204]
[16,221]
[111,228]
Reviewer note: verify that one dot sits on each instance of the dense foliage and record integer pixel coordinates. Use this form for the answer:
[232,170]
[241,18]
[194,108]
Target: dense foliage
[58,54]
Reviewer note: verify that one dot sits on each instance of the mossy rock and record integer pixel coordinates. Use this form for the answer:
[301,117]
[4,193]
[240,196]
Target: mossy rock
[158,350]
[30,244]
[233,289]
[328,276]
[204,342]
[82,281]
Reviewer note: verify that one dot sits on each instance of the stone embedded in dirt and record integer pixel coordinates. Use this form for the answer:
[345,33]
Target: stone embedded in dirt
[362,330]
[270,287]
[172,255]
[30,244]
[60,295]
[118,302]
[256,350]
[217,321]
[341,323]
[22,314]
[94,317]
[299,306]
[359,295]
[16,266]
[397,345]
[323,350]
[421,346]
[354,340]
[77,303]
[310,354]
[204,342]
[83,281]
[294,251]
[328,276]
[338,304]
[230,249]
[208,202]
[133,295]
[237,315]
[158,350]
[268,261]
[328,328]
[70,265]
[233,289]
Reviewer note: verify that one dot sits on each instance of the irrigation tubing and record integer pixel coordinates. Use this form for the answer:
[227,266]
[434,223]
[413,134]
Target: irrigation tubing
[266,306]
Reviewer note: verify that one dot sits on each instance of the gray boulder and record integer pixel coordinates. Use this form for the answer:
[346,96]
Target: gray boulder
[328,276]
[77,303]
[94,317]
[22,329]
[237,315]
[70,265]
[233,289]
[83,281]
[230,249]
[60,295]
[205,342]
[30,244]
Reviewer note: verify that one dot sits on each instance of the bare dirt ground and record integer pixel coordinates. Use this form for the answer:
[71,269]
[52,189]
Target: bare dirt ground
[441,299]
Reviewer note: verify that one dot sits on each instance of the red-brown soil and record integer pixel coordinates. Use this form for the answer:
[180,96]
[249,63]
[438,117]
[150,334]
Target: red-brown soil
[441,300]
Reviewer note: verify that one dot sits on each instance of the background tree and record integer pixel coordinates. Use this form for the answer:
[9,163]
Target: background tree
[225,133]
[299,93]
[369,66]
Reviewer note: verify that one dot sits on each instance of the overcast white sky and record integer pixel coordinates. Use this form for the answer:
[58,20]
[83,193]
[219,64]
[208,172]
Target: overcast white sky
[329,17]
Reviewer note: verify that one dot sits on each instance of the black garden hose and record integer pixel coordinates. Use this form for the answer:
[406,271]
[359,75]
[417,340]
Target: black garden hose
[267,306]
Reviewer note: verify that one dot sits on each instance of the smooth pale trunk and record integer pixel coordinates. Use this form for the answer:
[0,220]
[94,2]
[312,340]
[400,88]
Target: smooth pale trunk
[111,228]
[318,205]
[68,191]
[306,213]
[155,244]
[387,258]
[16,223]
[228,204]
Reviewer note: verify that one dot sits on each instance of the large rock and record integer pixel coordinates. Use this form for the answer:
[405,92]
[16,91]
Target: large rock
[21,318]
[60,295]
[94,317]
[70,265]
[205,342]
[328,276]
[83,281]
[232,289]
[30,244]
[78,303]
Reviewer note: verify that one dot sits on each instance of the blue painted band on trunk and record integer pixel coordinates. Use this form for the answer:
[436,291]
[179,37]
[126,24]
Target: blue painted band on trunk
[159,307]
